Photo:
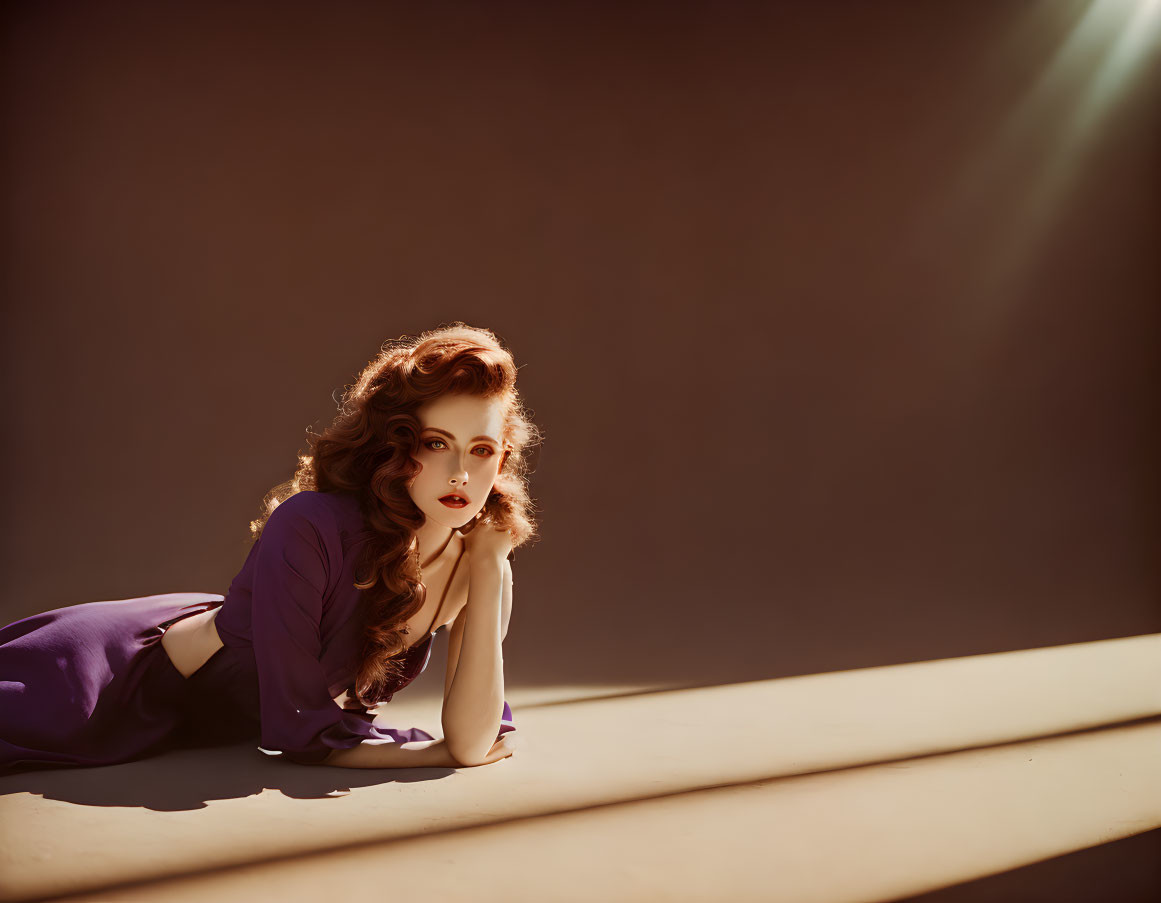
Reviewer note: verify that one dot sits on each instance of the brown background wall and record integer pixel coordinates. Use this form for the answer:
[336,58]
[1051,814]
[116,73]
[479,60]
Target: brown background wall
[841,319]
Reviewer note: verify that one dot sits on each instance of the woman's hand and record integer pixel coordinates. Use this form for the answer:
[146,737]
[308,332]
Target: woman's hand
[501,749]
[486,542]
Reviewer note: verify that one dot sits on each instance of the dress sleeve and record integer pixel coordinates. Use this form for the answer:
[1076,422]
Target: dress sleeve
[300,719]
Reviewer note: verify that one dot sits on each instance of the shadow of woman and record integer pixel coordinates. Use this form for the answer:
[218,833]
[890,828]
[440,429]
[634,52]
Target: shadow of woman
[190,777]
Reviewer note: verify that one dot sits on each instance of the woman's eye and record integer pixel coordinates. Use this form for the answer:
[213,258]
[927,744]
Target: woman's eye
[431,443]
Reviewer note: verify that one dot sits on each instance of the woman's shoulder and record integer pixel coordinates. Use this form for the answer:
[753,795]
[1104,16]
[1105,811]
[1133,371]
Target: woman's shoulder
[305,503]
[332,514]
[307,524]
[308,502]
[323,511]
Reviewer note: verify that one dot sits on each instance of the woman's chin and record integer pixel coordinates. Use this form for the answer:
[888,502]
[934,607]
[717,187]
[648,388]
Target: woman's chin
[451,518]
[468,524]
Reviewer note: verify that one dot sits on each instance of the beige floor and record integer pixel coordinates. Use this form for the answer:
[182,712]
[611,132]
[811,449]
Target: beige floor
[861,785]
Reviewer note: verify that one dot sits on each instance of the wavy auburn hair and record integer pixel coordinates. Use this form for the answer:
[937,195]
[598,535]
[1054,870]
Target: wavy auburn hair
[368,451]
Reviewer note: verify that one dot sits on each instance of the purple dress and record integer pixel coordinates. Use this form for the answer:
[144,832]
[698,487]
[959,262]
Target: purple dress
[91,684]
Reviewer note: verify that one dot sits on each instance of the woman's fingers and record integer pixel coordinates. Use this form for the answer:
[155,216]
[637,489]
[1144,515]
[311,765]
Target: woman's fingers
[501,749]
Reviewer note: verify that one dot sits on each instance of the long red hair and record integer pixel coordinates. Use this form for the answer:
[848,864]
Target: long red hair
[368,451]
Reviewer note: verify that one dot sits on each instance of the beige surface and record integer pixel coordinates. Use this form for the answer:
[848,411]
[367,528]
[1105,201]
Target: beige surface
[871,833]
[601,792]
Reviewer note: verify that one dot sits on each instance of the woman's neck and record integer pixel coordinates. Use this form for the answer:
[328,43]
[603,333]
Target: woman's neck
[433,538]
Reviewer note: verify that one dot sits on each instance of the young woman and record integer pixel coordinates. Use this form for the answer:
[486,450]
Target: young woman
[400,522]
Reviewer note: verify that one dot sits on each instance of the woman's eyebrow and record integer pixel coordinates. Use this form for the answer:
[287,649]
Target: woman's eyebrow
[436,429]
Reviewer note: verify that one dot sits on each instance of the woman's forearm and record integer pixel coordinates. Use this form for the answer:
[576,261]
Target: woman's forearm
[475,700]
[384,754]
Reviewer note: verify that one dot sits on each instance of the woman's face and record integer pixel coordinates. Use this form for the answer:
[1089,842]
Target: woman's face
[460,451]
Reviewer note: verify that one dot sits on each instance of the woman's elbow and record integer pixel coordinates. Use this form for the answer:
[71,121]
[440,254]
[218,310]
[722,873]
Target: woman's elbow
[468,755]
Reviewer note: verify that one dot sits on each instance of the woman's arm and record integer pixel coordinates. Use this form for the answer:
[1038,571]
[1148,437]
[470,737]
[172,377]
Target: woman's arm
[385,754]
[416,754]
[456,631]
[437,753]
[474,695]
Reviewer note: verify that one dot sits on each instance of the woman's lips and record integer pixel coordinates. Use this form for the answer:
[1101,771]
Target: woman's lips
[451,502]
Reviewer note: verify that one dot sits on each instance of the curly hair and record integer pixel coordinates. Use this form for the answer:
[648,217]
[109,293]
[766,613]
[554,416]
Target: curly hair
[368,451]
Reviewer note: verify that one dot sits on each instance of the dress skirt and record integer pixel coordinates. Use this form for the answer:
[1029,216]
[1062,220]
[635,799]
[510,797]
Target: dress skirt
[91,684]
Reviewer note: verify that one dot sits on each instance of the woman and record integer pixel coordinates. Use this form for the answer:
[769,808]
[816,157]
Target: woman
[400,522]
